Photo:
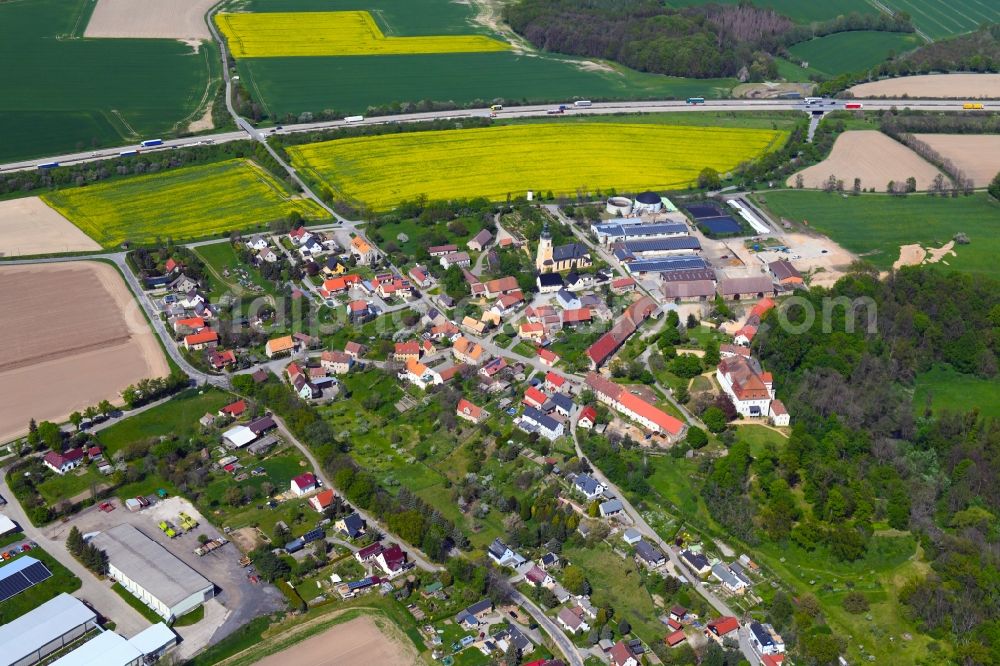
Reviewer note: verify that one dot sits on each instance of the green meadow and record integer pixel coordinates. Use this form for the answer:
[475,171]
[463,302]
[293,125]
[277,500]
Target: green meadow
[852,51]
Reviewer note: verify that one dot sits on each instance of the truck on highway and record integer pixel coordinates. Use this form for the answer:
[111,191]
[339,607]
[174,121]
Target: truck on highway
[854,105]
[496,107]
[970,106]
[695,100]
[353,119]
[128,153]
[813,100]
[582,103]
[48,165]
[149,143]
[555,112]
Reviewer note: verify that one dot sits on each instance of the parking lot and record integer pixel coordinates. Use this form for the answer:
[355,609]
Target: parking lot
[241,599]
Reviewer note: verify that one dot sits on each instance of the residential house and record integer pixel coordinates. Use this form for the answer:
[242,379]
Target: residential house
[298,235]
[579,281]
[532,331]
[352,525]
[623,285]
[472,615]
[441,250]
[747,385]
[649,554]
[503,554]
[562,404]
[677,614]
[785,273]
[470,412]
[234,410]
[267,255]
[555,382]
[728,579]
[334,266]
[547,358]
[338,285]
[406,351]
[182,284]
[460,259]
[480,240]
[60,463]
[172,265]
[511,637]
[304,388]
[611,508]
[742,288]
[507,304]
[500,286]
[355,350]
[587,418]
[193,324]
[205,339]
[322,500]
[634,315]
[590,487]
[473,326]
[549,561]
[622,655]
[303,483]
[420,276]
[467,351]
[388,285]
[537,576]
[368,554]
[722,628]
[779,414]
[279,346]
[533,420]
[534,398]
[631,536]
[572,620]
[337,362]
[493,367]
[392,561]
[364,251]
[567,300]
[360,311]
[221,359]
[765,640]
[420,375]
[312,247]
[257,243]
[576,316]
[548,283]
[727,350]
[697,562]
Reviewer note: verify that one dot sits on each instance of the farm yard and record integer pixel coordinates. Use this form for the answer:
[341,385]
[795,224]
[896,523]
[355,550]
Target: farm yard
[875,226]
[59,369]
[852,51]
[975,154]
[274,34]
[496,161]
[871,156]
[28,226]
[187,203]
[69,93]
[939,19]
[970,86]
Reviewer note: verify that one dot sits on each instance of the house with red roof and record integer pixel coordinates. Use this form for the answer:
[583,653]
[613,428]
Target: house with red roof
[234,409]
[555,382]
[534,398]
[406,351]
[60,463]
[508,303]
[676,638]
[500,286]
[419,276]
[623,285]
[532,331]
[652,418]
[171,265]
[205,339]
[747,385]
[303,483]
[221,359]
[392,560]
[576,317]
[337,362]
[548,358]
[322,500]
[721,628]
[470,412]
[622,655]
[355,350]
[193,323]
[605,347]
[587,418]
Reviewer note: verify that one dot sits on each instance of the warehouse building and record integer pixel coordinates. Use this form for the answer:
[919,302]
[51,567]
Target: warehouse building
[44,630]
[110,649]
[151,573]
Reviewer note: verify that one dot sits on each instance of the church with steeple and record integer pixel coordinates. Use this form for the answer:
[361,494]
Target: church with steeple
[560,258]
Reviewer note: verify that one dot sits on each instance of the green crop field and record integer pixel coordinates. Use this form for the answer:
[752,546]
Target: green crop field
[937,18]
[852,51]
[802,11]
[876,225]
[186,203]
[497,161]
[952,391]
[63,93]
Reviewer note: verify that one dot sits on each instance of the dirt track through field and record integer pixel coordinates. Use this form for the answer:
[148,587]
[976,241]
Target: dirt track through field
[871,156]
[357,642]
[150,19]
[978,155]
[956,86]
[71,336]
[29,226]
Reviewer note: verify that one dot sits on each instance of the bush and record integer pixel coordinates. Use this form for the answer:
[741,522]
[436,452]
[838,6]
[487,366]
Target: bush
[856,603]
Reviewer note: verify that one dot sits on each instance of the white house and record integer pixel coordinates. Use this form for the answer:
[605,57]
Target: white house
[765,640]
[750,389]
[303,483]
[60,463]
[590,487]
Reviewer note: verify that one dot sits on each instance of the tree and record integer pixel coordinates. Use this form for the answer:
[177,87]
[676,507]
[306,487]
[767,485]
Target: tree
[686,366]
[711,357]
[857,186]
[234,496]
[624,628]
[856,603]
[74,542]
[708,179]
[270,566]
[105,407]
[911,184]
[799,181]
[994,187]
[714,419]
[575,580]
[281,534]
[696,437]
[76,418]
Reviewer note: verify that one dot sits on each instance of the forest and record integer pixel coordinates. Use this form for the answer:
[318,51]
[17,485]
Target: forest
[701,42]
[861,453]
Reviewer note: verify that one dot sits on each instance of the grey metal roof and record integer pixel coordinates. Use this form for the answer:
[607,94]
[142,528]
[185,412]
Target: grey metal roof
[543,420]
[648,552]
[569,251]
[667,264]
[39,627]
[663,244]
[150,565]
[586,483]
[611,506]
[721,572]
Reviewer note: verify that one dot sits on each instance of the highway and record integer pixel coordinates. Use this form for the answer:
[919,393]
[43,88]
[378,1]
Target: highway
[248,131]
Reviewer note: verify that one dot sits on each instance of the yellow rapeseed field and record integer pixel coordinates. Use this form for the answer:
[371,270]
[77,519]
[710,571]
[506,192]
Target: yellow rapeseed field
[189,202]
[279,34]
[381,171]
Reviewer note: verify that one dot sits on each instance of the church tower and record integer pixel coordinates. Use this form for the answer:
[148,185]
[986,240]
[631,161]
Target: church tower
[543,260]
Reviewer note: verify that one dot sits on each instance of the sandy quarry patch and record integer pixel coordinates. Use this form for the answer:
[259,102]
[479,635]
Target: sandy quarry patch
[978,155]
[970,86]
[71,336]
[914,255]
[357,642]
[818,257]
[203,123]
[871,156]
[29,226]
[167,19]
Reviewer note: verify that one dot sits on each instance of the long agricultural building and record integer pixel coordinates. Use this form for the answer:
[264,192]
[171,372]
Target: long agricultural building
[153,574]
[617,233]
[38,633]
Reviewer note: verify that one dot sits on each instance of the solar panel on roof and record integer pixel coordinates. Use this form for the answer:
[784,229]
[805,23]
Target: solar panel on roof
[19,581]
[36,573]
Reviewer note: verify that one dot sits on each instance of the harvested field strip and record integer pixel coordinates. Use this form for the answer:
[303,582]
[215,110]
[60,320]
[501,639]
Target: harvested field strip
[192,202]
[977,155]
[955,86]
[493,162]
[279,34]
